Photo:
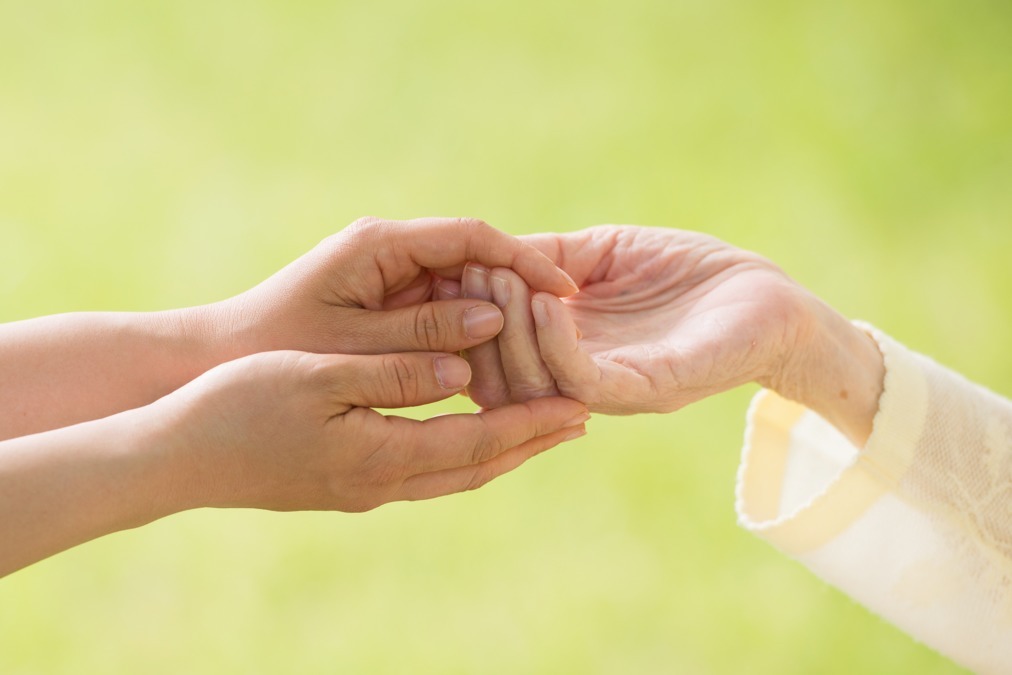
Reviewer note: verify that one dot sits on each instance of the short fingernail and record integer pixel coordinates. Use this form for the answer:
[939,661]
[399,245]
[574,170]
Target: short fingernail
[476,280]
[500,291]
[446,292]
[574,434]
[452,372]
[482,322]
[579,419]
[540,311]
[576,289]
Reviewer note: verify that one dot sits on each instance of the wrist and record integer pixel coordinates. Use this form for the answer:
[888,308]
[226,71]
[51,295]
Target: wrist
[834,368]
[152,472]
[162,461]
[204,336]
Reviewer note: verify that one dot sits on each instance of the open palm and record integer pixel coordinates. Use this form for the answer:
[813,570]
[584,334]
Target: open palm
[663,318]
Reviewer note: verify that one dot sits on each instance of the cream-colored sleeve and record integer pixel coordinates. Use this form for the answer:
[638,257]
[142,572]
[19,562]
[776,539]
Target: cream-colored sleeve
[917,526]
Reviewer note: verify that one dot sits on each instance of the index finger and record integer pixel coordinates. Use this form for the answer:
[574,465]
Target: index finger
[447,243]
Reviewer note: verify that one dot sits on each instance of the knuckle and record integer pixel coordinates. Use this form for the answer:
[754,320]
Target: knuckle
[380,467]
[523,392]
[429,330]
[486,447]
[319,372]
[479,235]
[401,377]
[365,222]
[482,476]
[364,227]
[475,225]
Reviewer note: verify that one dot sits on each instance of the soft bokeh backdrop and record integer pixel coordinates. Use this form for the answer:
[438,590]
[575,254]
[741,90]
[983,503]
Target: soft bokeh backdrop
[155,155]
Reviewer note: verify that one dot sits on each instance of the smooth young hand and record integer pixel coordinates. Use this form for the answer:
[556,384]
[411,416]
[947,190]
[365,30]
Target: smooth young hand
[277,430]
[367,290]
[364,290]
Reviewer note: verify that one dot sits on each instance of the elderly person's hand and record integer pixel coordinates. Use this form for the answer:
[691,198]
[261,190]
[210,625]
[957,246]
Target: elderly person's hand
[664,318]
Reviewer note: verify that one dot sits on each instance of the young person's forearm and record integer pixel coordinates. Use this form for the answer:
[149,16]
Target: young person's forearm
[62,488]
[61,370]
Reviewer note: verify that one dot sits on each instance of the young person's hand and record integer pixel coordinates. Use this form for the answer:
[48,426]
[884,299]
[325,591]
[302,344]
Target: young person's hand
[364,290]
[296,431]
[277,430]
[368,290]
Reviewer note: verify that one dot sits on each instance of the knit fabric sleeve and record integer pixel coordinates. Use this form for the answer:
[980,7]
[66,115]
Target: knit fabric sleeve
[917,525]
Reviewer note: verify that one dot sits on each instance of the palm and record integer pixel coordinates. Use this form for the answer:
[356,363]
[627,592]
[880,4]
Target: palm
[669,317]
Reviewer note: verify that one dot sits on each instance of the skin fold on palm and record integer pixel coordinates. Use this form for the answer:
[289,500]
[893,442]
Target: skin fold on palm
[663,318]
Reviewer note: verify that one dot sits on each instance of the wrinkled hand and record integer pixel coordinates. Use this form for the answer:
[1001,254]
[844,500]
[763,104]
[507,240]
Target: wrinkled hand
[366,290]
[663,318]
[293,431]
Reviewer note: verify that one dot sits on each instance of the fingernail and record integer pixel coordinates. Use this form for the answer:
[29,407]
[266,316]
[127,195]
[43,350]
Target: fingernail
[500,291]
[452,372]
[446,292]
[540,311]
[482,322]
[576,289]
[476,280]
[574,434]
[579,419]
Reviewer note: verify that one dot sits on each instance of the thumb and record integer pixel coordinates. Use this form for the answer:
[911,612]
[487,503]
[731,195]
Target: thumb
[443,326]
[395,380]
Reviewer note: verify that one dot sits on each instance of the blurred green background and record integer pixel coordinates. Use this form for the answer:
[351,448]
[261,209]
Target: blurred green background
[156,155]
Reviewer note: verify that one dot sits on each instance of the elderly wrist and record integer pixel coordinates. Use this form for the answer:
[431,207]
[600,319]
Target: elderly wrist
[835,369]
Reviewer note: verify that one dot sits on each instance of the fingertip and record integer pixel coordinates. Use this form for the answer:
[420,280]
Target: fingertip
[501,287]
[541,304]
[475,282]
[573,287]
[540,312]
[546,297]
[483,321]
[577,432]
[452,372]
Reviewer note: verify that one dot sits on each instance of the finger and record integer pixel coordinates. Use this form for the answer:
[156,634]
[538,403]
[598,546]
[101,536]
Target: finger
[449,481]
[447,326]
[525,371]
[420,290]
[572,368]
[447,289]
[583,254]
[453,441]
[604,384]
[488,387]
[438,243]
[392,380]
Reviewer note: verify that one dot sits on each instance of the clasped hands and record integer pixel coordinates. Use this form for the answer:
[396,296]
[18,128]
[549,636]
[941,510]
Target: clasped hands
[612,319]
[267,399]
